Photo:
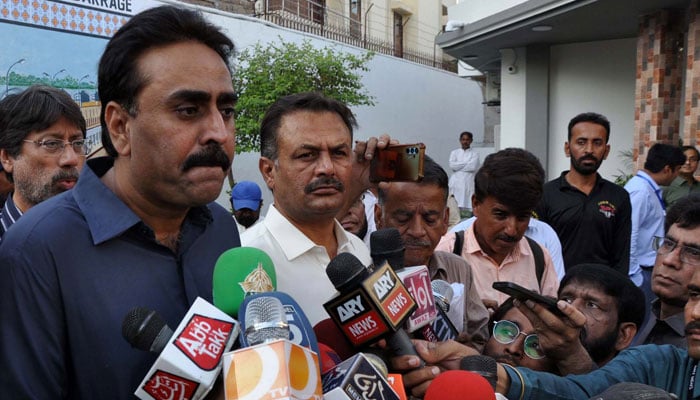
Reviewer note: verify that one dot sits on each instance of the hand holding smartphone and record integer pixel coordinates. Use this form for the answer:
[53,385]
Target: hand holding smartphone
[402,162]
[522,294]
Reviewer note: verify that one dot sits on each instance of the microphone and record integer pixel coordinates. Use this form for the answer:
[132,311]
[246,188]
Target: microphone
[386,245]
[190,358]
[328,358]
[360,377]
[328,332]
[369,306]
[441,329]
[483,365]
[239,272]
[396,383]
[299,328]
[459,385]
[274,367]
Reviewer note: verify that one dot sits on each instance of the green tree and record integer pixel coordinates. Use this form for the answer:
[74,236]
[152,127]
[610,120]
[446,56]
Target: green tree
[264,73]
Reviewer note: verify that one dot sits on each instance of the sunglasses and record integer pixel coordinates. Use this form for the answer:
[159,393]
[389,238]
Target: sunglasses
[506,332]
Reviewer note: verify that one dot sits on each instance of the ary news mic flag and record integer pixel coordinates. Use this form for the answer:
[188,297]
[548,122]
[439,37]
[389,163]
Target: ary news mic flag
[191,360]
[239,272]
[278,369]
[356,378]
[386,245]
[368,306]
[300,330]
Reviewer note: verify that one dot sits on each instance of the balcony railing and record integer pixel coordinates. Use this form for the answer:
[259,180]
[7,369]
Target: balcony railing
[313,17]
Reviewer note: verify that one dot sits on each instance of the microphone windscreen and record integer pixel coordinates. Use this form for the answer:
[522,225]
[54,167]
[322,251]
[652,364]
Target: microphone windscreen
[328,332]
[483,365]
[459,385]
[387,245]
[377,363]
[443,292]
[145,330]
[345,271]
[265,321]
[238,272]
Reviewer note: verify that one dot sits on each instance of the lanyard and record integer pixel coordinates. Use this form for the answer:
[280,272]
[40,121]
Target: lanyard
[691,385]
[656,191]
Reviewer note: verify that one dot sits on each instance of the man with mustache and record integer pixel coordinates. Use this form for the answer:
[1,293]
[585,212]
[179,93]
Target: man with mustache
[670,276]
[507,188]
[307,161]
[419,211]
[140,228]
[42,147]
[590,214]
[670,368]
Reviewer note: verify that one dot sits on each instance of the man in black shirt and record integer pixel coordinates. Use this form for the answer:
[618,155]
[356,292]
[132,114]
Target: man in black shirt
[591,215]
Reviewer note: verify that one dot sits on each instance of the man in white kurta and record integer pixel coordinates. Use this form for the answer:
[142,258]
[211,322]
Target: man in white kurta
[464,162]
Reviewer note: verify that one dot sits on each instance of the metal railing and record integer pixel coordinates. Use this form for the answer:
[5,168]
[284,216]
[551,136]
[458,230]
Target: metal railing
[313,17]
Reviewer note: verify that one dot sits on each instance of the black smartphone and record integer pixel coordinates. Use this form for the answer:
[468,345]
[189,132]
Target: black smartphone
[522,294]
[403,162]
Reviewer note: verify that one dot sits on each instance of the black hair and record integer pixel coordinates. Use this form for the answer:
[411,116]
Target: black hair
[661,155]
[306,101]
[693,148]
[466,133]
[591,117]
[119,78]
[685,212]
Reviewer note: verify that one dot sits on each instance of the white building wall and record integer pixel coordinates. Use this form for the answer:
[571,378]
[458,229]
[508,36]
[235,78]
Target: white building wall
[413,102]
[593,76]
[474,10]
[513,99]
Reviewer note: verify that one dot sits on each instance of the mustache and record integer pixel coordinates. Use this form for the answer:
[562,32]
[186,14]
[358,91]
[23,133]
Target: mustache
[417,243]
[213,155]
[588,157]
[507,238]
[324,181]
[70,173]
[692,325]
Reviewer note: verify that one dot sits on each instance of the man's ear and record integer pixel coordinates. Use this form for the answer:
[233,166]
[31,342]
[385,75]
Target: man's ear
[118,120]
[7,161]
[267,170]
[626,333]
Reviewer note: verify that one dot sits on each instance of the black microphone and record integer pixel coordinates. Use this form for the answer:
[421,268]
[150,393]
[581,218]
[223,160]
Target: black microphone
[483,365]
[386,245]
[145,330]
[369,306]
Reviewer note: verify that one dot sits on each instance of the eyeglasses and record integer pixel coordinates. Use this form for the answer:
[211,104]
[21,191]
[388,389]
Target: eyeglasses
[56,146]
[688,255]
[506,332]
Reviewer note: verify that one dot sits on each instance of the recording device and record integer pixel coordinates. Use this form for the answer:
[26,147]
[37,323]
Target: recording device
[299,327]
[386,245]
[459,385]
[441,328]
[275,368]
[239,272]
[483,365]
[398,163]
[522,294]
[358,377]
[369,306]
[190,358]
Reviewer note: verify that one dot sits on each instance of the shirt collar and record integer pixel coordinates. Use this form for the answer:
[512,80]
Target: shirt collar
[564,184]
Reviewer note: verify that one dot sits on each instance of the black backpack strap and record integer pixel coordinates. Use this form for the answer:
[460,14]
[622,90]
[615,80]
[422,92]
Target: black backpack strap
[459,241]
[539,259]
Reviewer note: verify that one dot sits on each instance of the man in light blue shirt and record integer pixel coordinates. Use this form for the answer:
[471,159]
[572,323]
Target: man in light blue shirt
[648,210]
[537,230]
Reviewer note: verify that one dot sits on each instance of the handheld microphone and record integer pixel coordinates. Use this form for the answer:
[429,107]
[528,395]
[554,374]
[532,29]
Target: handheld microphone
[239,272]
[300,330]
[327,358]
[459,385]
[273,369]
[483,365]
[329,333]
[386,245]
[359,377]
[441,328]
[190,358]
[369,306]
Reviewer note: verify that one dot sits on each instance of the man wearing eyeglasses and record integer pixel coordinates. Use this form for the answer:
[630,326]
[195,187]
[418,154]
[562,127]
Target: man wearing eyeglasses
[42,147]
[671,274]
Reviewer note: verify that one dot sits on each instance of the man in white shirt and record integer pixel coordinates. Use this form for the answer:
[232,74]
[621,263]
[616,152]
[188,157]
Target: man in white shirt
[464,162]
[307,161]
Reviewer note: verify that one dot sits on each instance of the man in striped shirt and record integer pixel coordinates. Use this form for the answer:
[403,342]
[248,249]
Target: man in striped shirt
[42,147]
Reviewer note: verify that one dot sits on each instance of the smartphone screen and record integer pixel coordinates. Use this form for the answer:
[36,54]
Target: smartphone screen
[398,163]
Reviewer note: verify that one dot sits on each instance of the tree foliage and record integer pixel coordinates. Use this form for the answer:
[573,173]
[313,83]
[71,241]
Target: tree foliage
[264,73]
